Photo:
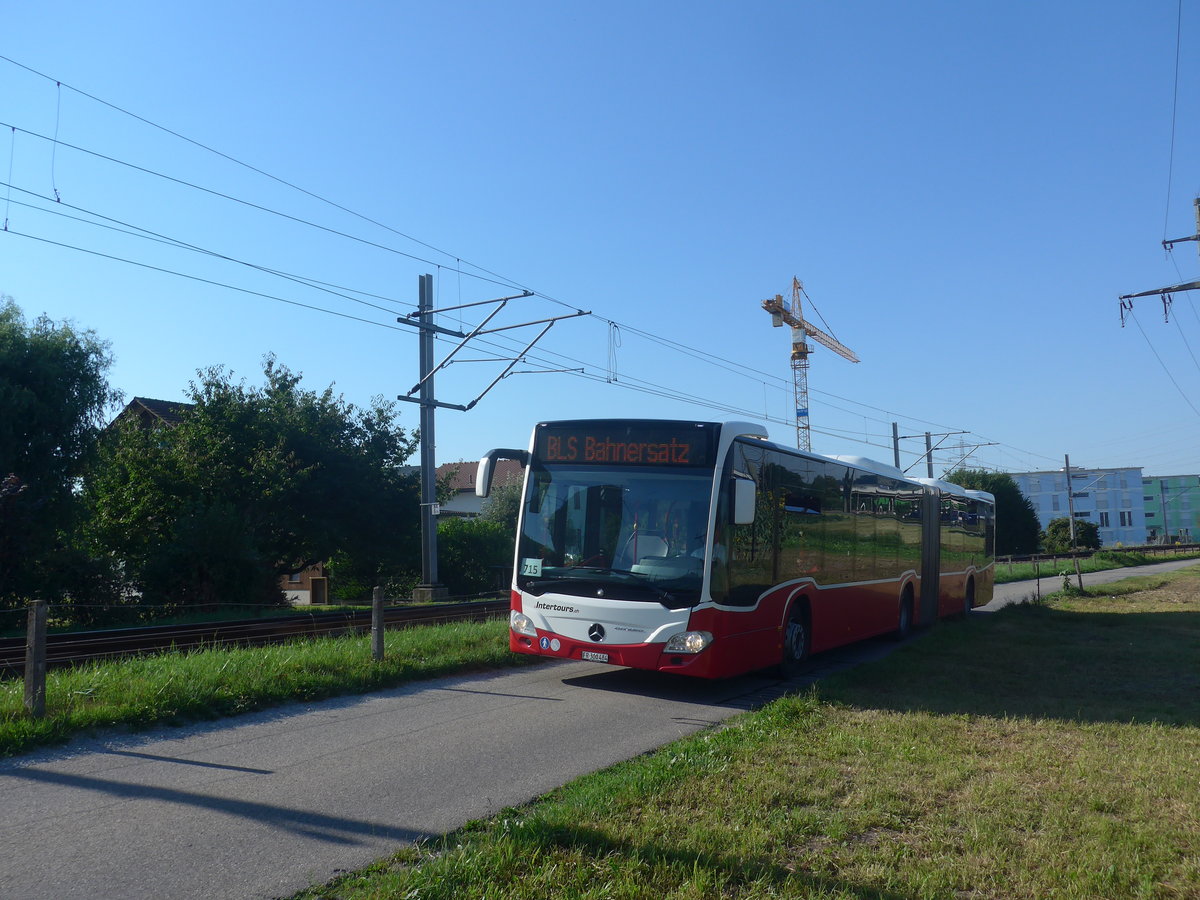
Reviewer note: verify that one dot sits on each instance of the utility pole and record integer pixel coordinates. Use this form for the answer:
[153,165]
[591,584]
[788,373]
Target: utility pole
[1071,512]
[429,589]
[1070,498]
[1162,496]
[1167,245]
[423,320]
[1126,300]
[896,444]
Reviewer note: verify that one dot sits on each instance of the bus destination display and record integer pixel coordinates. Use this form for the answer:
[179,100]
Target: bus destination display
[647,445]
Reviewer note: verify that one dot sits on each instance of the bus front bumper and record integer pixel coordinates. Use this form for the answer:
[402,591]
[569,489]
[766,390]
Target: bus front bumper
[634,656]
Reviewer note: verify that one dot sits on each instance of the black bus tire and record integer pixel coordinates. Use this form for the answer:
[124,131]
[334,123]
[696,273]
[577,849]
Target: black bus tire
[904,622]
[797,638]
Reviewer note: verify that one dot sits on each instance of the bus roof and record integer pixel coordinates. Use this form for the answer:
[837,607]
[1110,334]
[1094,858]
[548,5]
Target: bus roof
[872,465]
[957,490]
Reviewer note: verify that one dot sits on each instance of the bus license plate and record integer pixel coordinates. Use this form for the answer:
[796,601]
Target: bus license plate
[592,656]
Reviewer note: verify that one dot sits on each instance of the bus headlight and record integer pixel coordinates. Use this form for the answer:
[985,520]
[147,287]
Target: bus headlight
[688,642]
[521,623]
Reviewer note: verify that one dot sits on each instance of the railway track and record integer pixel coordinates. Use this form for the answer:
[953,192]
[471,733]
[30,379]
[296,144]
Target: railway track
[75,647]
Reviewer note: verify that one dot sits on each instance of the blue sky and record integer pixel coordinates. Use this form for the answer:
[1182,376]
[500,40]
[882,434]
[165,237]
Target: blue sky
[964,189]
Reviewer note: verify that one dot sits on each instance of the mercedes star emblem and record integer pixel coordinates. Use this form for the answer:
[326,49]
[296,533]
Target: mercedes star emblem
[596,632]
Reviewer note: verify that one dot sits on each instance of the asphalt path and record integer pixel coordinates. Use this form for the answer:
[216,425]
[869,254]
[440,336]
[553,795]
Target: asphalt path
[1022,591]
[266,804]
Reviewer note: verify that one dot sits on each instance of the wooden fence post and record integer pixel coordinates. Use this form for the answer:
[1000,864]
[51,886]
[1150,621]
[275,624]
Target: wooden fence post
[35,660]
[377,624]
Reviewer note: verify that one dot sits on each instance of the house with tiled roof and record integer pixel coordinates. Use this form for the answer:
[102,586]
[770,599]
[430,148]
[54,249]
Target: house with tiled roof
[462,481]
[149,413]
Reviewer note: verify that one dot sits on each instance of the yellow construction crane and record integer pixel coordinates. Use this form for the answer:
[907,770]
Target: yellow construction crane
[792,314]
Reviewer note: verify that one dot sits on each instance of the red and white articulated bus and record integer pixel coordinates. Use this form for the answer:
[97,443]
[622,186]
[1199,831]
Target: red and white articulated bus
[701,548]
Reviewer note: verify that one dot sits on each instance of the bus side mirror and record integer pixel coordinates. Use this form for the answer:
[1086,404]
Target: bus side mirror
[483,477]
[487,468]
[743,501]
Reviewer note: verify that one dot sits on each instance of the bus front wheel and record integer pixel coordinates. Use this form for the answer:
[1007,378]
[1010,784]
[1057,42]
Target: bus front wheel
[796,640]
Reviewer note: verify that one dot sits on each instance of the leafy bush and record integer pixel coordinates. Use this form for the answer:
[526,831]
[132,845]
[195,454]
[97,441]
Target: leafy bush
[474,555]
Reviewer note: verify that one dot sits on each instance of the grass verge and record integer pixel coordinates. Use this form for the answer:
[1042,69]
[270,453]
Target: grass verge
[1102,561]
[173,688]
[1045,750]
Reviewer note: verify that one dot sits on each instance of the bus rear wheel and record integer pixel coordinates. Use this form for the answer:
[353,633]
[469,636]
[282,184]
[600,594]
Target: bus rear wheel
[905,622]
[796,640]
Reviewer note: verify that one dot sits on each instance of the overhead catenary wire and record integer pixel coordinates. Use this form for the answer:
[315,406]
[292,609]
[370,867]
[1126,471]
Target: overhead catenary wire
[736,368]
[201,280]
[136,231]
[496,278]
[250,204]
[1166,371]
[238,162]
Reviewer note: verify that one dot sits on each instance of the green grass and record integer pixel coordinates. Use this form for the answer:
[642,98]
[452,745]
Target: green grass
[1044,751]
[173,688]
[1101,561]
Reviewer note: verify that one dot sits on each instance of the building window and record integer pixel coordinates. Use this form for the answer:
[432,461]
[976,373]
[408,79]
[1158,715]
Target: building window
[1103,520]
[1054,504]
[1126,518]
[294,578]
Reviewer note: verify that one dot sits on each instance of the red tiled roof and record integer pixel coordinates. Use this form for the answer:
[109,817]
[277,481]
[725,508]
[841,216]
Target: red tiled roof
[149,412]
[464,480]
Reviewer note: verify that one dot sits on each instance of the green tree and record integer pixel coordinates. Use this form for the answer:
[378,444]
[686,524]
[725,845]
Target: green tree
[253,483]
[1017,529]
[503,504]
[54,394]
[474,555]
[1057,538]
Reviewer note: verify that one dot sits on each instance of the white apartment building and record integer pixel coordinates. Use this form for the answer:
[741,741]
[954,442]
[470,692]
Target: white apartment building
[1112,499]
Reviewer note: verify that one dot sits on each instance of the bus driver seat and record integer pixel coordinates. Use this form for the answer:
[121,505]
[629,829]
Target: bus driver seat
[639,545]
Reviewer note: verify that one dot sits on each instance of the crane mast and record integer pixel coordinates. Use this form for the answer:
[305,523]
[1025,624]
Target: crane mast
[792,314]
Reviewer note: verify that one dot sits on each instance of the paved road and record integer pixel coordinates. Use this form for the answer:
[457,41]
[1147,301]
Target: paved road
[269,803]
[266,804]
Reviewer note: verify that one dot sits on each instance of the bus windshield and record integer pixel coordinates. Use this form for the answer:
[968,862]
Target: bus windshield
[635,533]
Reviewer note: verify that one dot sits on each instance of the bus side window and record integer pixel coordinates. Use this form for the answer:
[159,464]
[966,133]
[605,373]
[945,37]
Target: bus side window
[751,546]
